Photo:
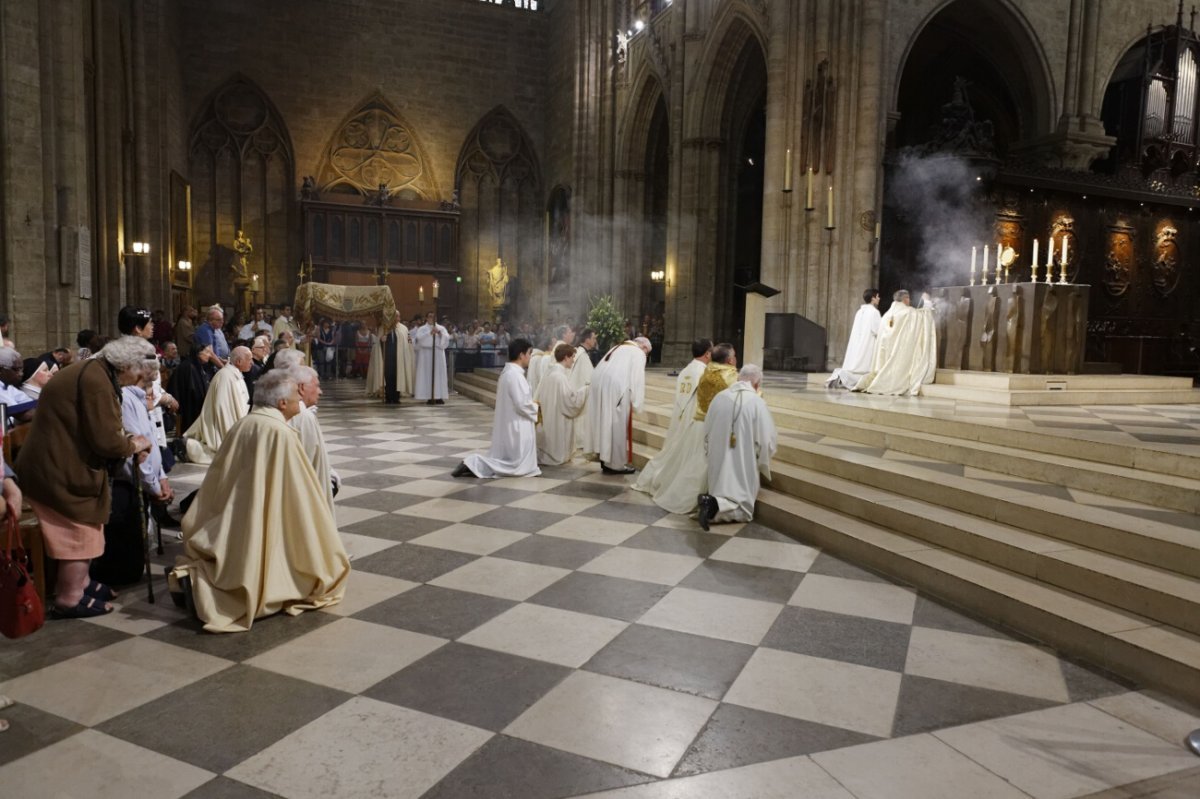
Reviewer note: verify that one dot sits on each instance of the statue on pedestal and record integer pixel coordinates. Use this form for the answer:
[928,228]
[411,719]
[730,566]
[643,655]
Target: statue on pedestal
[240,264]
[498,284]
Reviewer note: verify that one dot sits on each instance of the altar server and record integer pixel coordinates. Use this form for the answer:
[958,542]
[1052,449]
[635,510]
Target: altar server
[682,413]
[618,390]
[227,401]
[741,441]
[514,440]
[560,405]
[860,352]
[431,340]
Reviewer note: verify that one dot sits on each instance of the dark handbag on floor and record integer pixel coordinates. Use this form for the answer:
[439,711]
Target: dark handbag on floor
[21,611]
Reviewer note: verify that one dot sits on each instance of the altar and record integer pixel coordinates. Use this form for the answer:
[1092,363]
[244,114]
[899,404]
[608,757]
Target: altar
[1013,328]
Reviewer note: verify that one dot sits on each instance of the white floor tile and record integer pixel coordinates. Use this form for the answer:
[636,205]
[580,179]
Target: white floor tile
[790,778]
[556,636]
[768,554]
[470,538]
[856,598]
[500,577]
[986,663]
[714,615]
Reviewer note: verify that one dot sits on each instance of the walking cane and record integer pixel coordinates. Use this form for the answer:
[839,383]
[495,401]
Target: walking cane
[142,509]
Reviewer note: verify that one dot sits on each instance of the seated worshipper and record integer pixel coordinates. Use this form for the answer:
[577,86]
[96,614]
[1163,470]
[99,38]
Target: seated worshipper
[189,385]
[226,403]
[260,348]
[122,561]
[77,433]
[741,443]
[308,382]
[36,374]
[906,357]
[399,364]
[683,414]
[683,470]
[284,323]
[618,389]
[211,333]
[860,352]
[559,403]
[514,440]
[260,537]
[431,341]
[12,369]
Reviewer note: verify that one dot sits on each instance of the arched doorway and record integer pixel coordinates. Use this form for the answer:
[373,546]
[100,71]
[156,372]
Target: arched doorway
[654,231]
[744,130]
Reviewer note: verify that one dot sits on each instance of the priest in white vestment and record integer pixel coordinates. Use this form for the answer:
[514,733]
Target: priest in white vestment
[741,441]
[397,364]
[617,391]
[683,413]
[683,470]
[431,340]
[514,440]
[539,365]
[375,368]
[260,537]
[906,357]
[560,404]
[227,401]
[860,352]
[581,374]
[308,382]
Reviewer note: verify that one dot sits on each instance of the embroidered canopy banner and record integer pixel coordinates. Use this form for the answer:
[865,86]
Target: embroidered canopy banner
[345,304]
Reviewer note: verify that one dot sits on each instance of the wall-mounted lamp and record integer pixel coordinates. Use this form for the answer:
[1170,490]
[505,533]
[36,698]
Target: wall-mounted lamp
[139,248]
[658,275]
[184,266]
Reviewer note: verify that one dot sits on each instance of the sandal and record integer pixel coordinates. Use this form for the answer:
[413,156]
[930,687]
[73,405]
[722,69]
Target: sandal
[98,590]
[87,608]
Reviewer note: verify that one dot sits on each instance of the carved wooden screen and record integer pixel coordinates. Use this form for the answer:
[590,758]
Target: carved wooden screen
[502,214]
[242,172]
[416,237]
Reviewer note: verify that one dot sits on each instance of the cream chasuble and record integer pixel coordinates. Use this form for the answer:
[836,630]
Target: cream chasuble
[741,441]
[260,537]
[406,362]
[514,441]
[227,401]
[682,417]
[375,368]
[308,427]
[560,405]
[906,357]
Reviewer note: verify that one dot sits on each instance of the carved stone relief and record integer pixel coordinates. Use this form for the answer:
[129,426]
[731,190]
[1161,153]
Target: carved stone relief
[375,151]
[1166,259]
[1118,260]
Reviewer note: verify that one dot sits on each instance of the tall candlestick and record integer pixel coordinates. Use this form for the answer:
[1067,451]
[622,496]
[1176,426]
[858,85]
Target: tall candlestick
[808,190]
[435,289]
[985,266]
[1034,263]
[420,294]
[787,170]
[974,253]
[829,217]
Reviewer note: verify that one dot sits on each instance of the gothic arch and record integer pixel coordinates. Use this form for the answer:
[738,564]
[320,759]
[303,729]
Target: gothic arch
[733,29]
[374,145]
[242,168]
[1000,36]
[645,99]
[499,181]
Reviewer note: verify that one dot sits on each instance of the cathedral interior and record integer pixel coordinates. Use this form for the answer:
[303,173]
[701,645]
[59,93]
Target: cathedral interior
[668,154]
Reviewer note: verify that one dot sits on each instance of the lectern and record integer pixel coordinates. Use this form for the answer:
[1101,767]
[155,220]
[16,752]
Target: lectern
[756,322]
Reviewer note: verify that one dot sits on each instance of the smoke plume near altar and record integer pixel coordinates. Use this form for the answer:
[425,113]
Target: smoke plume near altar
[937,196]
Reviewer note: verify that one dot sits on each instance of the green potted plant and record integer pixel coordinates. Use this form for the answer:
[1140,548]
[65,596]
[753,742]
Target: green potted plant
[607,321]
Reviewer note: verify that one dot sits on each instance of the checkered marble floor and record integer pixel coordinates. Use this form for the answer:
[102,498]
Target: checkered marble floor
[561,636]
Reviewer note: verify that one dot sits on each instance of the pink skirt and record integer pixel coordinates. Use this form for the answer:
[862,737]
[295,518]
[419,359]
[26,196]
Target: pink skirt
[67,539]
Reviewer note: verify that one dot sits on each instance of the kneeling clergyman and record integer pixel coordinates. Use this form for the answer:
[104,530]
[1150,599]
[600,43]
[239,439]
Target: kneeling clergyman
[560,405]
[514,440]
[683,416]
[308,382]
[617,391]
[906,357]
[741,442]
[860,351]
[227,401]
[260,537]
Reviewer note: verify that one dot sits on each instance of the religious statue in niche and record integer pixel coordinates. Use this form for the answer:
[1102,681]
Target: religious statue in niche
[1118,263]
[817,147]
[559,234]
[498,282]
[308,189]
[1063,230]
[1166,260]
[379,197]
[242,249]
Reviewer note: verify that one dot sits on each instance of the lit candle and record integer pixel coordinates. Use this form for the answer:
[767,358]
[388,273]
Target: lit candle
[1050,253]
[974,255]
[1064,252]
[829,219]
[1035,260]
[808,190]
[435,289]
[787,170]
[254,282]
[420,294]
[985,265]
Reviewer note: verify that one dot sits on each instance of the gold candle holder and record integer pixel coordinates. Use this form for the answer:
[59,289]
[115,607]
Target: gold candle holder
[1062,273]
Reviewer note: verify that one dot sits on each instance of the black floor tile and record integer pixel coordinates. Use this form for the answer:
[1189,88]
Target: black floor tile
[395,527]
[625,512]
[58,640]
[429,609]
[386,501]
[929,613]
[601,595]
[588,490]
[491,494]
[547,550]
[375,480]
[762,533]
[31,729]
[522,520]
[1085,683]
[196,724]
[926,704]
[476,686]
[683,662]
[509,768]
[225,788]
[739,579]
[739,736]
[265,634]
[830,566]
[851,639]
[676,542]
[413,562]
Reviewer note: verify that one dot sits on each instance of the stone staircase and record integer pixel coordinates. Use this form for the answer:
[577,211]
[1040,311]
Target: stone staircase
[1090,547]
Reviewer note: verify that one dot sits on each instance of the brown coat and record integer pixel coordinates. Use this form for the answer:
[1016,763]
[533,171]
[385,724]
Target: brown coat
[76,429]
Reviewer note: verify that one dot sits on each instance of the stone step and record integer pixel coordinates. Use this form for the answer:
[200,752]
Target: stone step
[1133,646]
[1057,398]
[1082,382]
